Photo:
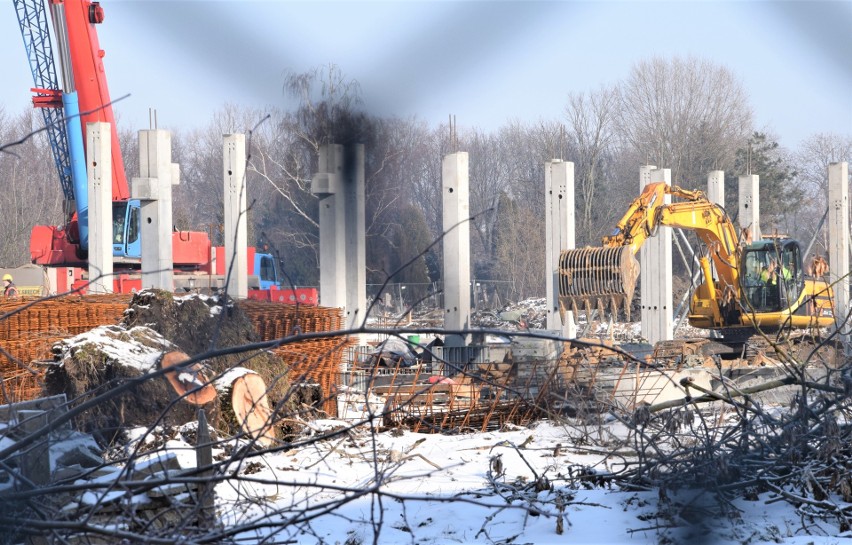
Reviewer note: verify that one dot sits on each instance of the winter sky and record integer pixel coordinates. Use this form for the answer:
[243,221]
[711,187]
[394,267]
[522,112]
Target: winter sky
[485,62]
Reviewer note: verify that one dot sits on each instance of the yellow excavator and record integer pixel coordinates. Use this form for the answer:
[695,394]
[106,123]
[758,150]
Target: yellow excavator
[745,286]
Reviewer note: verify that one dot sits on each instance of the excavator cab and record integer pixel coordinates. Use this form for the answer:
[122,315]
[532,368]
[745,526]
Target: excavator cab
[773,277]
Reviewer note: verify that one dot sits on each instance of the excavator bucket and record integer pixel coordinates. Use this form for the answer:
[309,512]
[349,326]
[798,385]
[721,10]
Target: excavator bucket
[599,278]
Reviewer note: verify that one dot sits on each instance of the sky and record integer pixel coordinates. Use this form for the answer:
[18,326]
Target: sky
[486,62]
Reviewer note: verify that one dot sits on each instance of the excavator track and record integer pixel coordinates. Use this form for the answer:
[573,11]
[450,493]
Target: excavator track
[756,347]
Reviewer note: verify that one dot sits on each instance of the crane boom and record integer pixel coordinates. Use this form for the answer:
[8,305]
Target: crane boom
[77,88]
[90,80]
[80,97]
[32,19]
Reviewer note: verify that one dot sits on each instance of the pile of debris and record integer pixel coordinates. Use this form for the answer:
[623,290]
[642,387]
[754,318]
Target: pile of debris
[138,493]
[143,371]
[36,456]
[527,314]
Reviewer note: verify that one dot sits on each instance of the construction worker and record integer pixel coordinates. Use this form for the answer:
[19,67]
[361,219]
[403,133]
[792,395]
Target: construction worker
[10,290]
[769,275]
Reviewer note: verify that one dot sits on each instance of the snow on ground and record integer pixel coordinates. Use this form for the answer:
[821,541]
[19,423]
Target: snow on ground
[347,485]
[495,487]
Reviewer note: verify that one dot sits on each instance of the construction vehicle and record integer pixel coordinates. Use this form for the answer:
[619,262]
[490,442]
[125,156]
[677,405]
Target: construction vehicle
[83,97]
[38,280]
[746,288]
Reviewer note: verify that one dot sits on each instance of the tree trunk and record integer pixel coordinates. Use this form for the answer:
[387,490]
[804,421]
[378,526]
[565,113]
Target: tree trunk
[191,382]
[245,406]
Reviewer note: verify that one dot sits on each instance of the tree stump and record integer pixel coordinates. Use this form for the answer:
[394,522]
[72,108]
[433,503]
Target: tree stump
[160,331]
[95,363]
[245,405]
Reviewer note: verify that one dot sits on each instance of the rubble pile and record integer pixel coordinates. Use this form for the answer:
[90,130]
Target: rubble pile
[134,491]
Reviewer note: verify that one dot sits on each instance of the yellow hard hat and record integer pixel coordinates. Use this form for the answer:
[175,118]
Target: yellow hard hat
[6,277]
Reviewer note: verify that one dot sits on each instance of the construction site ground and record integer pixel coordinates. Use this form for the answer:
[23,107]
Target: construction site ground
[522,375]
[514,413]
[517,376]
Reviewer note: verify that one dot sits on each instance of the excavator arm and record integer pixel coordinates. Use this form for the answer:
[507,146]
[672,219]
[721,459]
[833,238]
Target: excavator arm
[607,275]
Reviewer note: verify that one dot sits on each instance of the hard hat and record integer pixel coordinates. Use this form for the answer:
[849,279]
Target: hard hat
[6,277]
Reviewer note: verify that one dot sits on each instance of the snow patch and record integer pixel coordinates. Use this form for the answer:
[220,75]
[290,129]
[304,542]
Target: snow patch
[121,345]
[224,382]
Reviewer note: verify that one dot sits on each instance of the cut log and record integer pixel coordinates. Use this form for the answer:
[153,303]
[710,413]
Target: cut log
[245,405]
[191,382]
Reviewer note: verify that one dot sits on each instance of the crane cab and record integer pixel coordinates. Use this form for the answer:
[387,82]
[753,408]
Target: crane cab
[126,243]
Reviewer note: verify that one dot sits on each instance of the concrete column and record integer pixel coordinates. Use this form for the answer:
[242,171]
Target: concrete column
[98,147]
[326,185]
[154,189]
[838,249]
[236,224]
[655,260]
[35,460]
[749,215]
[456,274]
[647,267]
[716,187]
[558,236]
[356,240]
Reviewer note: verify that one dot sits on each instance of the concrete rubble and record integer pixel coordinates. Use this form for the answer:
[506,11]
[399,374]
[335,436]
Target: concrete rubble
[156,490]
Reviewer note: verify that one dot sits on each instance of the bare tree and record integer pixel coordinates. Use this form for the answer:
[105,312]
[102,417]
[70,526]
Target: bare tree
[815,154]
[328,102]
[401,164]
[31,192]
[689,115]
[490,176]
[199,197]
[519,249]
[812,159]
[424,183]
[519,239]
[592,122]
[529,148]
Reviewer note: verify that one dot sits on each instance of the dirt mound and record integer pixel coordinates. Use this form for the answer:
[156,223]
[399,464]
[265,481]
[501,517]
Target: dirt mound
[198,324]
[92,365]
[95,363]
